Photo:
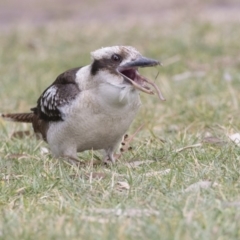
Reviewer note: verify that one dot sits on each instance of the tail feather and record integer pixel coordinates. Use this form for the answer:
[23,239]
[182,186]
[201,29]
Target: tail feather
[18,117]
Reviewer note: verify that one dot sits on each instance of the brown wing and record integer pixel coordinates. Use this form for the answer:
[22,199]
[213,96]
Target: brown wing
[60,93]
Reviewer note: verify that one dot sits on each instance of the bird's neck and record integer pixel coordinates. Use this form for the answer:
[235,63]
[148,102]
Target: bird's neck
[118,96]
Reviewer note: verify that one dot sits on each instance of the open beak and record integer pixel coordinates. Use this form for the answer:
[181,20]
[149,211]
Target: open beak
[130,73]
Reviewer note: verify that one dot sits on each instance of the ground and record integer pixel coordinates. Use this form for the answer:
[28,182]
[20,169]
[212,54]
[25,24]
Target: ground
[181,178]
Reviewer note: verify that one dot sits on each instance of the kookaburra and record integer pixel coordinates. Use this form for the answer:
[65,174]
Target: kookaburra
[91,107]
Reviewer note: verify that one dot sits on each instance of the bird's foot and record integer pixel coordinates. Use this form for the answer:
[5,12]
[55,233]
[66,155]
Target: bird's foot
[125,144]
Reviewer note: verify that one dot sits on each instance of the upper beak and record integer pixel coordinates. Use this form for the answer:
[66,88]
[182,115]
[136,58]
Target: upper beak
[140,62]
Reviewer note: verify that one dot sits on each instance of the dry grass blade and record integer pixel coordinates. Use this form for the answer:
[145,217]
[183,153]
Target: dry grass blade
[157,173]
[135,164]
[140,212]
[21,190]
[187,147]
[89,176]
[131,212]
[95,175]
[213,140]
[11,177]
[18,156]
[94,219]
[200,185]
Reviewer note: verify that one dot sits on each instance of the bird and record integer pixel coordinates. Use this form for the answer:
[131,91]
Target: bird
[91,107]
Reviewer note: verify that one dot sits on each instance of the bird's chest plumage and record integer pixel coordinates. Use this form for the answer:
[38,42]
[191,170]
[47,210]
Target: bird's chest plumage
[98,118]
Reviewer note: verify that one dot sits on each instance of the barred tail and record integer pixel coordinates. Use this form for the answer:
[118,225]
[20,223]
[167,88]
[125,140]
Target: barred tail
[18,117]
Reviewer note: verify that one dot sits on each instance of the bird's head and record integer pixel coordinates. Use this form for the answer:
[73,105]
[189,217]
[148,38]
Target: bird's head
[123,62]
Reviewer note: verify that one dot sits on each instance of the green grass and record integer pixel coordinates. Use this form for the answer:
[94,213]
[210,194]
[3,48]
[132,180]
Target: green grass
[44,198]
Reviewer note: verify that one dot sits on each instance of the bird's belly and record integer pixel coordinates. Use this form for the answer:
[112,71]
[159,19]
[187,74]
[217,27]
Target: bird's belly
[99,134]
[93,126]
[100,131]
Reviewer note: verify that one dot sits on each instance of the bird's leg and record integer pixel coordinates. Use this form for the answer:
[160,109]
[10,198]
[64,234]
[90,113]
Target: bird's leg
[69,154]
[109,157]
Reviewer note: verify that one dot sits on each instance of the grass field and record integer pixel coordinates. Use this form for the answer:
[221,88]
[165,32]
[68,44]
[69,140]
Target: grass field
[183,181]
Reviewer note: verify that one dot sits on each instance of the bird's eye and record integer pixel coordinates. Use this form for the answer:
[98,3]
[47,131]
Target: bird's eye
[116,58]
